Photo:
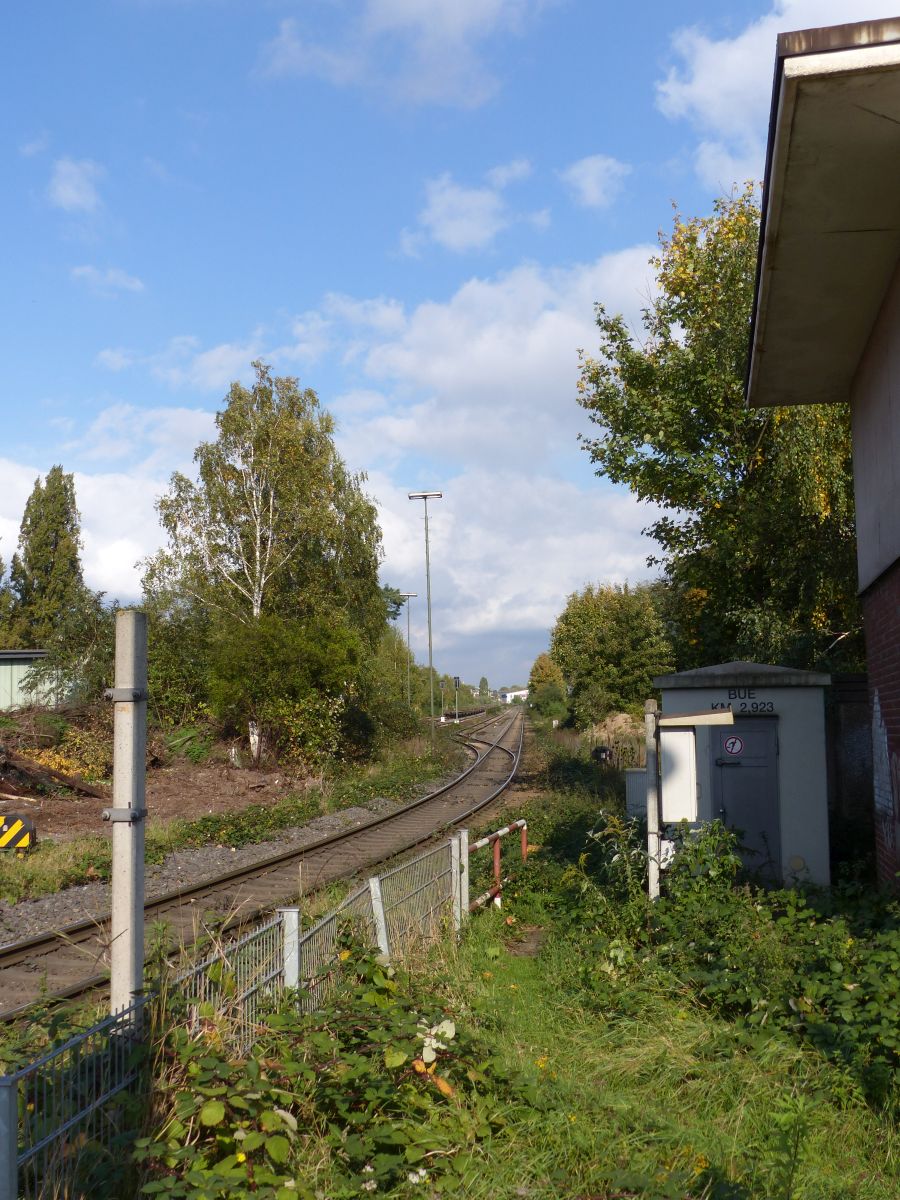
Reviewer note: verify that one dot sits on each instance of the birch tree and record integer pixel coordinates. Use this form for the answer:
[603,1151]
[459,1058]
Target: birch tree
[268,505]
[274,529]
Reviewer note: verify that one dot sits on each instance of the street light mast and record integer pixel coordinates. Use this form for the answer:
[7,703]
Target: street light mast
[426,496]
[407,596]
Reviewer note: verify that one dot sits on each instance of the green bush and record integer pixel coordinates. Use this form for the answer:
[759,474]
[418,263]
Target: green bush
[383,1084]
[777,960]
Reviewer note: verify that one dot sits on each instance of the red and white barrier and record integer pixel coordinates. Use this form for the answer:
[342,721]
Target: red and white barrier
[493,840]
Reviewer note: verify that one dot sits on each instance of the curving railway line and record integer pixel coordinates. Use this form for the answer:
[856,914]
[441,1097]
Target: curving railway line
[71,961]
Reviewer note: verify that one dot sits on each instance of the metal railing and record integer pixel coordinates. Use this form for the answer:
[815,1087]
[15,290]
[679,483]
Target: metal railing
[494,841]
[67,1118]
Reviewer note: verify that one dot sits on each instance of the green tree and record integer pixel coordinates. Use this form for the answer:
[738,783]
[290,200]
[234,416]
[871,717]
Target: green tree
[278,541]
[484,691]
[543,671]
[275,521]
[758,534]
[5,604]
[547,688]
[46,585]
[609,642]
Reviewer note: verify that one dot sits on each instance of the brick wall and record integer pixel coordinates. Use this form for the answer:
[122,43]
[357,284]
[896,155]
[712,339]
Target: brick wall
[881,613]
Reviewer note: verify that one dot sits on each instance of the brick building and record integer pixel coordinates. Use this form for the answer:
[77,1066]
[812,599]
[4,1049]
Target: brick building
[826,320]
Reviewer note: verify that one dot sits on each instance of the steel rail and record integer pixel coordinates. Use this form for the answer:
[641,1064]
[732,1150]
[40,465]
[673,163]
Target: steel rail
[29,953]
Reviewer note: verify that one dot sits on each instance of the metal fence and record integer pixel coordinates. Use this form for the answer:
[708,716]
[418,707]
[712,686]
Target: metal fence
[66,1119]
[228,985]
[421,898]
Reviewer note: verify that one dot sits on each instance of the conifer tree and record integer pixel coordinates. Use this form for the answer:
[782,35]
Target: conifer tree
[46,582]
[5,601]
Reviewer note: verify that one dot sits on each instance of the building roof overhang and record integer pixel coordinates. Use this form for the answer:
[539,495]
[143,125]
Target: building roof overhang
[830,235]
[741,674]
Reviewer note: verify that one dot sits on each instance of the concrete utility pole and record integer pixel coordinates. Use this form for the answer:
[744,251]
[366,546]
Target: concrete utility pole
[128,812]
[426,496]
[407,596]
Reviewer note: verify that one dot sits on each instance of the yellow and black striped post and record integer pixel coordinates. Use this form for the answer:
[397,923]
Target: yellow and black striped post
[17,833]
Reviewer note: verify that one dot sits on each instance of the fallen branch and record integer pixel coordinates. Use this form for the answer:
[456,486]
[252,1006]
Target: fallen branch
[47,776]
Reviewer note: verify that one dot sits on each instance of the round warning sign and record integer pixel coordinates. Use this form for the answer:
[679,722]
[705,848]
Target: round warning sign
[734,744]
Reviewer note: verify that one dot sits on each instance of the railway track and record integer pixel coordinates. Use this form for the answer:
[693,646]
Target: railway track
[72,961]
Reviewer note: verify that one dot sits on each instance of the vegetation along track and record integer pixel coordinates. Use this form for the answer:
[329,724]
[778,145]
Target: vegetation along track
[69,962]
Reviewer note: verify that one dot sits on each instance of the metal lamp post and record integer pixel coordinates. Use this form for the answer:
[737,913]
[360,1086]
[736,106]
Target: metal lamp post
[407,596]
[426,496]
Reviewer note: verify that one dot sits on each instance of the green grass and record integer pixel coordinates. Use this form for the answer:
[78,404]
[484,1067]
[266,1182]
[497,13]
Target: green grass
[654,1097]
[400,774]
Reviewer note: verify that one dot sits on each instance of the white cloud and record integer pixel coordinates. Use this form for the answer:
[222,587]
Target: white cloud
[507,548]
[147,440]
[107,282]
[722,86]
[507,173]
[383,315]
[35,145]
[118,535]
[473,394]
[73,185]
[461,218]
[182,363]
[115,358]
[424,51]
[595,181]
[499,357]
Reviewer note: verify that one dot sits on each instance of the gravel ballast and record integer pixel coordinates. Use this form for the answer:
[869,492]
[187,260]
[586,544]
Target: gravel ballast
[28,918]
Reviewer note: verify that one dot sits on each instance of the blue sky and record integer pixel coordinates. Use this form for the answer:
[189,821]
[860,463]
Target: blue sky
[410,204]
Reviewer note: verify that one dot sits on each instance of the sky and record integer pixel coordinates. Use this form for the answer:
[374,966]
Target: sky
[411,205]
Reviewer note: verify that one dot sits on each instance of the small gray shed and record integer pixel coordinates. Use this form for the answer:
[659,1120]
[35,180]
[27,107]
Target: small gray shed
[14,666]
[766,774]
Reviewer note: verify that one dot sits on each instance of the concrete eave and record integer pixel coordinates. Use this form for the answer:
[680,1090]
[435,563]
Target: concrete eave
[741,674]
[831,211]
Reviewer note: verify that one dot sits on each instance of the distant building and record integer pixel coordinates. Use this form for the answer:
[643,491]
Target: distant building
[826,317]
[508,695]
[14,666]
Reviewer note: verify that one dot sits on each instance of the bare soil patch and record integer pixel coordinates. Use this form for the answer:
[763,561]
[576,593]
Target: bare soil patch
[181,790]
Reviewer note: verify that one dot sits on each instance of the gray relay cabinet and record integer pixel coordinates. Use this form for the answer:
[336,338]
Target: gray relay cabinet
[765,775]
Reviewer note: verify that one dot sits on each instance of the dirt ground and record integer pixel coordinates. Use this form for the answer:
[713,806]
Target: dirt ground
[180,790]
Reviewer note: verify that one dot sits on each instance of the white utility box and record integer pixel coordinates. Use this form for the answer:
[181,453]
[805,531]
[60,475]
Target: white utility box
[764,775]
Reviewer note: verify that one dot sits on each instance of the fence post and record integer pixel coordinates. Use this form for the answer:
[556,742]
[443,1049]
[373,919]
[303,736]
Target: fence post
[455,885]
[525,842]
[128,812]
[378,913]
[650,735]
[9,1138]
[464,873]
[498,873]
[290,942]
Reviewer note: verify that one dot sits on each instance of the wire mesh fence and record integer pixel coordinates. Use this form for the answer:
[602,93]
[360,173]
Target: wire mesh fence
[417,898]
[229,984]
[319,947]
[66,1119]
